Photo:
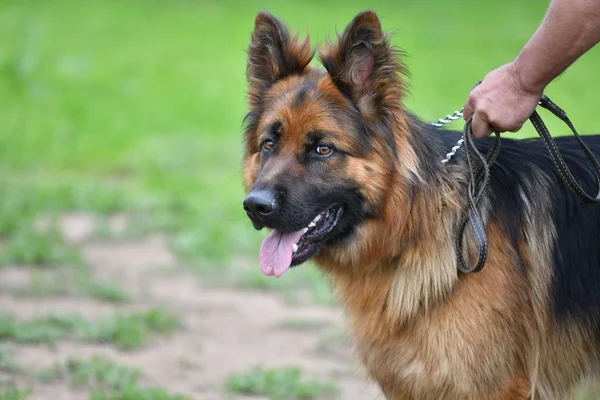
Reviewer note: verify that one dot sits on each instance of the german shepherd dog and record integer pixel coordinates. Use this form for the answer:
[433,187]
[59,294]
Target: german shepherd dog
[343,174]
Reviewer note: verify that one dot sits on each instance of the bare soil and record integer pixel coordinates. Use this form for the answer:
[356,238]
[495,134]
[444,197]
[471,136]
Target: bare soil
[225,331]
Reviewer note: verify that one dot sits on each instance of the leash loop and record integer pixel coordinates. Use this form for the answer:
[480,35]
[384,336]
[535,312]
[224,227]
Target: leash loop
[479,176]
[479,172]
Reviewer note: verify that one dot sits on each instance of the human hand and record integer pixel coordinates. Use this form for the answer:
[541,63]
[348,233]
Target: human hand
[502,102]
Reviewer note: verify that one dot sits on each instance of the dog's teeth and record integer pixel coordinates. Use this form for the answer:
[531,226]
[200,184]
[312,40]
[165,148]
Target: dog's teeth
[294,248]
[312,225]
[304,230]
[317,218]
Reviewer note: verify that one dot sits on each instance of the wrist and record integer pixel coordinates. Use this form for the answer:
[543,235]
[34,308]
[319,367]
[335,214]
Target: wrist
[525,78]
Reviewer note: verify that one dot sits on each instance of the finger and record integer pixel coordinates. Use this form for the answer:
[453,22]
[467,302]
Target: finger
[480,127]
[516,127]
[468,111]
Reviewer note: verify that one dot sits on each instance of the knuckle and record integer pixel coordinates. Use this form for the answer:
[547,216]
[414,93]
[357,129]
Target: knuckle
[484,113]
[484,105]
[494,120]
[474,97]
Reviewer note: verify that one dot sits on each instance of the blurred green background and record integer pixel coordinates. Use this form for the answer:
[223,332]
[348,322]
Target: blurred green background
[136,107]
[139,104]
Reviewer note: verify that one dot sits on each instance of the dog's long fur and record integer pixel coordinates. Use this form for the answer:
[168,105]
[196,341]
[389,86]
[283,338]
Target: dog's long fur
[526,325]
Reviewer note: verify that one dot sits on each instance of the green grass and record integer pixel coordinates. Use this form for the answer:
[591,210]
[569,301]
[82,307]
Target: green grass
[70,282]
[137,106]
[14,393]
[135,392]
[107,291]
[126,331]
[8,364]
[279,384]
[106,380]
[40,246]
[32,248]
[95,372]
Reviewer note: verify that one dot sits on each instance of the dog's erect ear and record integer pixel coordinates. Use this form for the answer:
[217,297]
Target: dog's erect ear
[363,62]
[273,55]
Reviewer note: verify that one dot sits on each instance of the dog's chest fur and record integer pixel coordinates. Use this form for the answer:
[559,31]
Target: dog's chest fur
[438,352]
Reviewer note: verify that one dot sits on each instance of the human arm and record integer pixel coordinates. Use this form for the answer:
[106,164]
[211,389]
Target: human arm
[507,96]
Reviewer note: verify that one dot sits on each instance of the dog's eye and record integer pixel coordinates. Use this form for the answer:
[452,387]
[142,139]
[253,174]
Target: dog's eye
[268,145]
[324,150]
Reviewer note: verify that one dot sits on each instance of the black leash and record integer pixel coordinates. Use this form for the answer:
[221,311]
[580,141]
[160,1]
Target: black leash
[557,159]
[479,174]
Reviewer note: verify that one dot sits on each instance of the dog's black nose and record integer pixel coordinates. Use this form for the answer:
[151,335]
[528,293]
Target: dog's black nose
[260,203]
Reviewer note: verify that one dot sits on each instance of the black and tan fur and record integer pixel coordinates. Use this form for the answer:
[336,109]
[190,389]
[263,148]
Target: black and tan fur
[526,325]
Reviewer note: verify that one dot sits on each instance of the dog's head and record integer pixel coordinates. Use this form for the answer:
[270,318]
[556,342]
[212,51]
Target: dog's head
[321,146]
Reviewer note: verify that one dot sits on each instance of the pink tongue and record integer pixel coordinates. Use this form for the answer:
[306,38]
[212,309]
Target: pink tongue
[276,252]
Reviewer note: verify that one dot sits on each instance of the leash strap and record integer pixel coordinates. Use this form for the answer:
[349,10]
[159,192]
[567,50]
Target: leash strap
[479,176]
[557,158]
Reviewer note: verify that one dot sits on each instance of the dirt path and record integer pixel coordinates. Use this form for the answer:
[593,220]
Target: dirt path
[225,331]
